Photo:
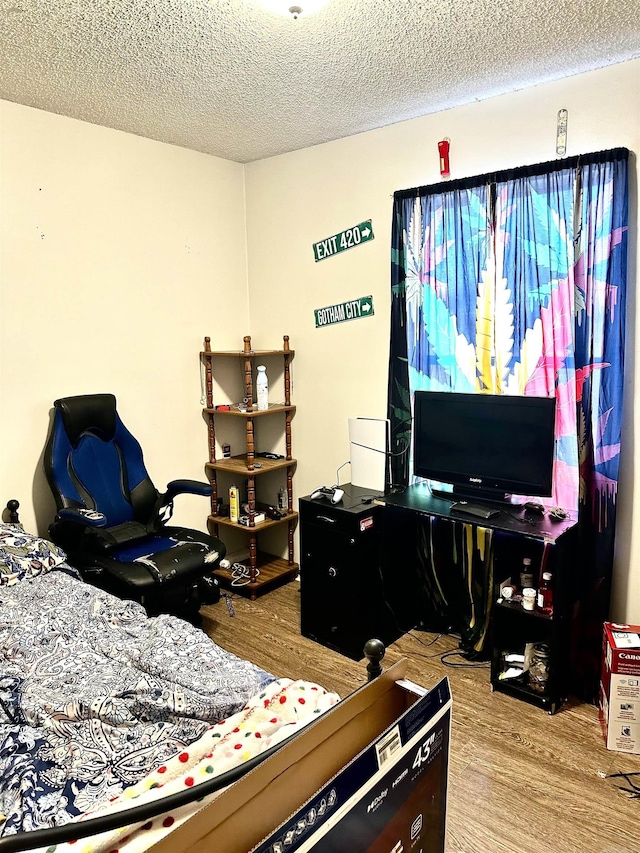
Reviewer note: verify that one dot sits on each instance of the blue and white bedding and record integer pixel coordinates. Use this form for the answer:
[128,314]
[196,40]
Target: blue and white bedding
[94,696]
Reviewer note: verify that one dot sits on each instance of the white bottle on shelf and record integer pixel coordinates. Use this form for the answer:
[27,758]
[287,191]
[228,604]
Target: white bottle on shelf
[262,388]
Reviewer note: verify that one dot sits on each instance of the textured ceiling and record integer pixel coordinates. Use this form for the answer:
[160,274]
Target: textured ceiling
[231,78]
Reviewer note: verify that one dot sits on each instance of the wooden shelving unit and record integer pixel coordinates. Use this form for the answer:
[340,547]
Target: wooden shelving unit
[265,570]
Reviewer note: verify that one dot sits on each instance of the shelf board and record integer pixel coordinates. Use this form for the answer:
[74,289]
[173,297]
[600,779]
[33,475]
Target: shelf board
[224,521]
[238,465]
[234,411]
[522,691]
[254,353]
[274,571]
[516,607]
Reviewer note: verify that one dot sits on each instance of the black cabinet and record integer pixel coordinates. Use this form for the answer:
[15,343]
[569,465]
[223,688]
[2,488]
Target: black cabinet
[517,632]
[344,596]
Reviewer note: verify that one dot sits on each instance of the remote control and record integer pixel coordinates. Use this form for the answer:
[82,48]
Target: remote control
[273,513]
[319,493]
[335,494]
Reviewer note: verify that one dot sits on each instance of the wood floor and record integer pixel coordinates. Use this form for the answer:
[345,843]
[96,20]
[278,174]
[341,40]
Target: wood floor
[520,781]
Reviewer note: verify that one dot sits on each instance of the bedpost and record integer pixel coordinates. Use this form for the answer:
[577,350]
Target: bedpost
[374,651]
[12,506]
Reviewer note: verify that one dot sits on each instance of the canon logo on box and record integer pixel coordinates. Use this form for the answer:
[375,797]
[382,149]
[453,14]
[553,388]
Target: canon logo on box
[629,655]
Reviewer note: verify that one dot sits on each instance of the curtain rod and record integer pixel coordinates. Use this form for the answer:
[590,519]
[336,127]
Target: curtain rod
[518,172]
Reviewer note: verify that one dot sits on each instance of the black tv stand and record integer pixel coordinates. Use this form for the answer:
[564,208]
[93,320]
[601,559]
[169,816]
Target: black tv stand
[410,521]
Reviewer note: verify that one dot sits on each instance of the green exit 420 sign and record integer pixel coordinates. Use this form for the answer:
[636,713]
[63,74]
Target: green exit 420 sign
[344,240]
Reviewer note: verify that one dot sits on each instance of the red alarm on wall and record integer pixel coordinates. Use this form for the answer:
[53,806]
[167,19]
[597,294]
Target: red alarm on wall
[443,151]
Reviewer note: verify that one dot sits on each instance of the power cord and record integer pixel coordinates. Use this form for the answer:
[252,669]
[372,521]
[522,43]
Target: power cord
[422,642]
[338,469]
[444,660]
[400,452]
[241,574]
[409,631]
[444,656]
[633,790]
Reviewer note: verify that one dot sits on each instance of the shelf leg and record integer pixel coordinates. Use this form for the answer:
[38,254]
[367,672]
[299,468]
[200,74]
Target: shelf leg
[251,449]
[290,525]
[253,558]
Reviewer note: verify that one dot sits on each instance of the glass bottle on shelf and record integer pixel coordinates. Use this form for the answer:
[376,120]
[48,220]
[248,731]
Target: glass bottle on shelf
[545,594]
[282,499]
[526,574]
[539,668]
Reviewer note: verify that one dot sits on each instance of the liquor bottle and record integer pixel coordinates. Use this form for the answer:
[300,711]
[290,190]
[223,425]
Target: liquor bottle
[526,574]
[283,503]
[545,594]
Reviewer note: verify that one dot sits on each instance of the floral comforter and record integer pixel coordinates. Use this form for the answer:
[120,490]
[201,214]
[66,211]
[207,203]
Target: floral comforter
[96,698]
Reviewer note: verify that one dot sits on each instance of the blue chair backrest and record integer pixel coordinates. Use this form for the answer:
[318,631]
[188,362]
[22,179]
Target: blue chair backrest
[92,460]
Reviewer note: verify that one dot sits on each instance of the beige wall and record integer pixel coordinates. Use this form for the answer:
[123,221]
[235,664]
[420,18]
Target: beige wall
[302,197]
[118,254]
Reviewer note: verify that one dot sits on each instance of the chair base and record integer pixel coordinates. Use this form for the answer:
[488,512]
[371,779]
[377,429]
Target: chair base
[175,599]
[170,572]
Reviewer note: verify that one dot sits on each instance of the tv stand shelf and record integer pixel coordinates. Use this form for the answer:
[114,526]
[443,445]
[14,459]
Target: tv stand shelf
[510,517]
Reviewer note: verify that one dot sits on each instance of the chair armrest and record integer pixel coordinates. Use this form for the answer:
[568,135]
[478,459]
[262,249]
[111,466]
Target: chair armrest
[86,517]
[186,487]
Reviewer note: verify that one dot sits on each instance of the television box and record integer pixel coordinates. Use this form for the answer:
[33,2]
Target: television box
[390,798]
[620,687]
[384,750]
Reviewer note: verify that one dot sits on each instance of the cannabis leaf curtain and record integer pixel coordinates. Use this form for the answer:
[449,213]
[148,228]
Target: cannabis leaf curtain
[514,283]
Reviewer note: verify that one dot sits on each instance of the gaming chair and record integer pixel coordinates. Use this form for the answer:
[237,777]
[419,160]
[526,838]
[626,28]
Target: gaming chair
[111,520]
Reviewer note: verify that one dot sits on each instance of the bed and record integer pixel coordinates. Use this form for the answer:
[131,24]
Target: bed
[103,708]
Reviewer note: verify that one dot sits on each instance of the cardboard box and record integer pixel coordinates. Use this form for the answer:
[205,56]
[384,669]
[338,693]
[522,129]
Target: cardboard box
[620,687]
[390,798]
[388,731]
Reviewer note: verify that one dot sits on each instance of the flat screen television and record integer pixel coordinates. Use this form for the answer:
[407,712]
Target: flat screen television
[486,446]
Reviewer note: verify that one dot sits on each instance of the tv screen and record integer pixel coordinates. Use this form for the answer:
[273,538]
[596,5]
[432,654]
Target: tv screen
[485,445]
